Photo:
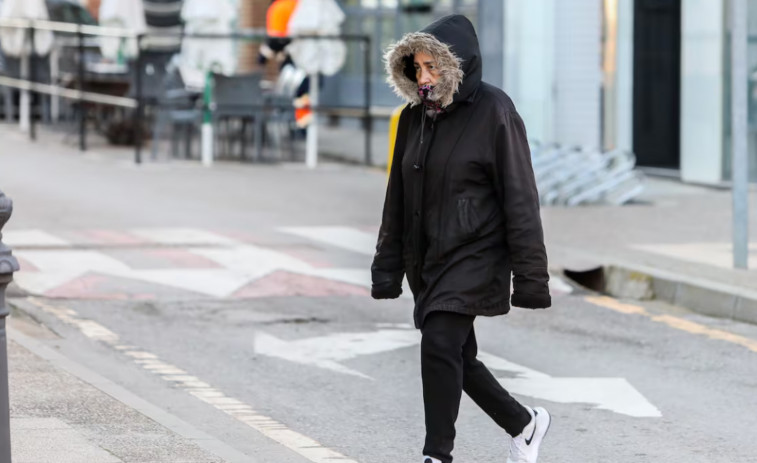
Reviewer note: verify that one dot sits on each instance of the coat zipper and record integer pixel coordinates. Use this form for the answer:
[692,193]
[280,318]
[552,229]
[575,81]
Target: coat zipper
[420,160]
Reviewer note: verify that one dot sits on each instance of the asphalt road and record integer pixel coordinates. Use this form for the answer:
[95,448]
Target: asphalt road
[306,360]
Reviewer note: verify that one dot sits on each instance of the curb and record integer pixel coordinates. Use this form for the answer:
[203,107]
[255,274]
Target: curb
[701,296]
[162,417]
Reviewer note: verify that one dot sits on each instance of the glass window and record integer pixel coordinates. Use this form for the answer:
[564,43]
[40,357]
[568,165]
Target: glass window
[354,62]
[388,32]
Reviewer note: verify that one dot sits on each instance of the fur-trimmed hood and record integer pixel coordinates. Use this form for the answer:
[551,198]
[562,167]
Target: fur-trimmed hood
[452,41]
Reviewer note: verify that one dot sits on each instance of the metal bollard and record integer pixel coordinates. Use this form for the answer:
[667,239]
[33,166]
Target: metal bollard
[8,265]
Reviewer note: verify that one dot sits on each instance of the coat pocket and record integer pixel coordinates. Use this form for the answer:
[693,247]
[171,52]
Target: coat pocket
[467,218]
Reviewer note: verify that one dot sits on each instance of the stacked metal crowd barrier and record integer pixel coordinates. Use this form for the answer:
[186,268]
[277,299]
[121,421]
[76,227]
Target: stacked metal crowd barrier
[572,177]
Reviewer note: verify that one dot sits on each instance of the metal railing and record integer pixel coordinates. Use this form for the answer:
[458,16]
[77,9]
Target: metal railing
[28,83]
[138,103]
[572,177]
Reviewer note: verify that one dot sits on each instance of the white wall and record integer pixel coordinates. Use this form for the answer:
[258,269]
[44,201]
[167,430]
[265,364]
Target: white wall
[529,63]
[552,68]
[578,72]
[702,74]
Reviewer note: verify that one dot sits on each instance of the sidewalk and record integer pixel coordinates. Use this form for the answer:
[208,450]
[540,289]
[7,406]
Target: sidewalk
[344,142]
[675,242]
[60,412]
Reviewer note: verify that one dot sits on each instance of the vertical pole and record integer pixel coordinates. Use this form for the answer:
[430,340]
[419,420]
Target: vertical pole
[740,164]
[8,98]
[367,99]
[25,99]
[33,79]
[80,87]
[311,153]
[54,80]
[208,141]
[139,110]
[8,265]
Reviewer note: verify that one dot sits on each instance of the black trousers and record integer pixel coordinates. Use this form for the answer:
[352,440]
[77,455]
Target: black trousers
[448,367]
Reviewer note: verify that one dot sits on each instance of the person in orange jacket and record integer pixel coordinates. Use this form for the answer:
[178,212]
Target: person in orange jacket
[277,31]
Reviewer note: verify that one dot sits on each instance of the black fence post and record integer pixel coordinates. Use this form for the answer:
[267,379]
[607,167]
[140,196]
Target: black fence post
[368,122]
[33,80]
[140,109]
[80,87]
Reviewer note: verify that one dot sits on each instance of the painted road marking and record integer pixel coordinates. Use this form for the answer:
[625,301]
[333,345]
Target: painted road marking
[32,238]
[182,237]
[180,379]
[327,351]
[347,238]
[674,322]
[232,265]
[613,394]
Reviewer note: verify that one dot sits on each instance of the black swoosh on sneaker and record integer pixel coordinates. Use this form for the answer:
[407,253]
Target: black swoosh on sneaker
[528,441]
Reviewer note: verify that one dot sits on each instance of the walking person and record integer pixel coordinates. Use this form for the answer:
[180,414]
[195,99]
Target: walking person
[461,215]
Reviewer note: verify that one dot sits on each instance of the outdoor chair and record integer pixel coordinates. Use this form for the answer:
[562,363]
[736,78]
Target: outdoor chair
[240,98]
[177,110]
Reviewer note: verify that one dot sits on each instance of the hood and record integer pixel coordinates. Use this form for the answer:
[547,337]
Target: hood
[452,41]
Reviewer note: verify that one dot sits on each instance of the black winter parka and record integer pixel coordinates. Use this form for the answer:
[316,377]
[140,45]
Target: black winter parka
[461,212]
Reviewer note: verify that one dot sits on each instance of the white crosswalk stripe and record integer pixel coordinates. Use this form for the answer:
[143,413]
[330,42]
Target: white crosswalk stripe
[235,263]
[347,238]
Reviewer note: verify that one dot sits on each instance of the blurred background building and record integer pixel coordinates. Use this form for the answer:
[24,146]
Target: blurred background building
[648,76]
[651,76]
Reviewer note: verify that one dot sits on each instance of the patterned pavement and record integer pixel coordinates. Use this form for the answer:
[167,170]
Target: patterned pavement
[190,263]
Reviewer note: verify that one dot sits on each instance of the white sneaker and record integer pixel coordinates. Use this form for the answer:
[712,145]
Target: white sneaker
[431,460]
[524,448]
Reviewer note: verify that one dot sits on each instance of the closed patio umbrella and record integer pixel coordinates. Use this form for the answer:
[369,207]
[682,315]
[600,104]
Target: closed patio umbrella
[122,15]
[316,56]
[198,56]
[12,39]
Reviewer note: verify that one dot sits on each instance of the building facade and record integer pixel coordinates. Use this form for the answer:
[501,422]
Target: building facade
[650,76]
[386,21]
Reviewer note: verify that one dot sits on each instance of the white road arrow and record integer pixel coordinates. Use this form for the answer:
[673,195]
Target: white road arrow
[326,351]
[613,394]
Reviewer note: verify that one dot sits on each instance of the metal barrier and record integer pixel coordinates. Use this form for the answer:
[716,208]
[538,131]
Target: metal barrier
[571,177]
[139,103]
[30,85]
[8,265]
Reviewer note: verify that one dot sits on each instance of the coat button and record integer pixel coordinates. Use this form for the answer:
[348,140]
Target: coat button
[417,167]
[417,213]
